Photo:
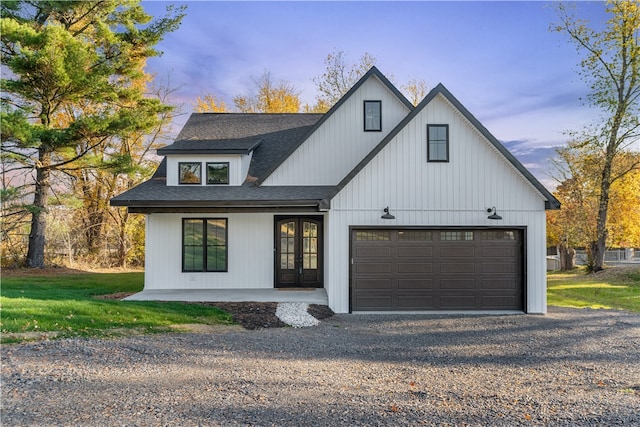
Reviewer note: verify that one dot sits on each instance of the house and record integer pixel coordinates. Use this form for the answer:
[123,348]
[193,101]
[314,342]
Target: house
[385,206]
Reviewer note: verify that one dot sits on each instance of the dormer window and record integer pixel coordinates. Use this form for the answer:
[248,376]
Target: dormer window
[218,173]
[190,173]
[372,116]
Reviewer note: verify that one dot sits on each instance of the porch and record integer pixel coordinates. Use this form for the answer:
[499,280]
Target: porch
[307,295]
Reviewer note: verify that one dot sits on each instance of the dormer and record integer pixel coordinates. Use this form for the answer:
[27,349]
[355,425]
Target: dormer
[198,162]
[217,149]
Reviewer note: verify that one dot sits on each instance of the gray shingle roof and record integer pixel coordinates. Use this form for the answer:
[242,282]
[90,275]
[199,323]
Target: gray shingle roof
[269,136]
[231,132]
[155,193]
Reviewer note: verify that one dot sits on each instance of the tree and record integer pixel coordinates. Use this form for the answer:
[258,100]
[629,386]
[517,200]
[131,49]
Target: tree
[270,97]
[611,66]
[339,77]
[210,104]
[78,56]
[416,90]
[575,225]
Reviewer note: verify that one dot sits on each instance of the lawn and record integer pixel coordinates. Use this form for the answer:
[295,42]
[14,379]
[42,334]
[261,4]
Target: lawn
[65,305]
[614,288]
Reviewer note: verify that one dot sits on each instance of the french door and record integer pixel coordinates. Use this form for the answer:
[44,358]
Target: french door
[298,255]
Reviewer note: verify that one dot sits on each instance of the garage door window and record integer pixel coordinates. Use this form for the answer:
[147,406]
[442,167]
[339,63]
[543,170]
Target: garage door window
[498,235]
[414,236]
[373,236]
[456,235]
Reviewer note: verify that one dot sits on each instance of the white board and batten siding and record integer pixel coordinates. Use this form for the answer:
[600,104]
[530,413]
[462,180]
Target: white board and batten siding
[250,243]
[456,193]
[339,144]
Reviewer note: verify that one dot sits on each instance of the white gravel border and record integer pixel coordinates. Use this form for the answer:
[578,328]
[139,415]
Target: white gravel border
[295,314]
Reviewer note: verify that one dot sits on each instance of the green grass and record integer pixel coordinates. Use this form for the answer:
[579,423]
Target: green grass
[613,288]
[66,305]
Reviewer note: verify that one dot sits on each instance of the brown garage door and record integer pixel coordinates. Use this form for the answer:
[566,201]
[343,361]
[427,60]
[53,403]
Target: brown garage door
[472,269]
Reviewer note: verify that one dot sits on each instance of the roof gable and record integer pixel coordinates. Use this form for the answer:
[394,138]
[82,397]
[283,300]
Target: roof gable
[550,203]
[373,72]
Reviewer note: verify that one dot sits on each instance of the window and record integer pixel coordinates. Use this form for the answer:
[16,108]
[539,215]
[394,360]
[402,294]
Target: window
[189,173]
[372,116]
[373,236]
[498,235]
[423,236]
[218,173]
[438,143]
[204,245]
[454,236]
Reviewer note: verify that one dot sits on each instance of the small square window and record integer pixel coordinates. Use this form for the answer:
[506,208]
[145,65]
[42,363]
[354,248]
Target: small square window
[372,116]
[438,143]
[190,172]
[218,173]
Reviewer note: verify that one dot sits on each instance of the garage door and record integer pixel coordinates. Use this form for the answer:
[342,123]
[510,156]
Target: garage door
[426,269]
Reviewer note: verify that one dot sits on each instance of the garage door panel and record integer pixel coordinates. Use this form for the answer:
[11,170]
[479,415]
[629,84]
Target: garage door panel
[457,283]
[415,267]
[374,284]
[437,269]
[498,267]
[415,302]
[499,284]
[457,302]
[373,302]
[458,267]
[458,251]
[413,284]
[373,267]
[373,252]
[498,302]
[498,252]
[415,252]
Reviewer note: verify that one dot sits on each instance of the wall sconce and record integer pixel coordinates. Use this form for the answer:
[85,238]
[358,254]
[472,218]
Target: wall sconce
[493,215]
[387,215]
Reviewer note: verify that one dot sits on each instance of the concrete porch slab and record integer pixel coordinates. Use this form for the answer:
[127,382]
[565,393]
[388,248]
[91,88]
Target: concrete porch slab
[310,296]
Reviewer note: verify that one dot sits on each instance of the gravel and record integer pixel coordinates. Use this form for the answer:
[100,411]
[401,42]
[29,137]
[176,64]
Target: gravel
[568,368]
[295,314]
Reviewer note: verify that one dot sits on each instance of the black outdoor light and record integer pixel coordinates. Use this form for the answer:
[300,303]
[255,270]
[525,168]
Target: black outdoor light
[387,215]
[493,215]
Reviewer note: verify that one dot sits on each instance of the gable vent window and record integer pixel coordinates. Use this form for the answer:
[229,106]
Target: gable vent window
[373,116]
[190,172]
[218,173]
[438,143]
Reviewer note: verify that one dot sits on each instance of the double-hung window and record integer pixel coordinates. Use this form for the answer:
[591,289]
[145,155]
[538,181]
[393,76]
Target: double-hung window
[372,116]
[437,143]
[204,244]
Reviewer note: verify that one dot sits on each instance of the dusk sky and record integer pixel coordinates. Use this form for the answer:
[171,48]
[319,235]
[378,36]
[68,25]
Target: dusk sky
[498,58]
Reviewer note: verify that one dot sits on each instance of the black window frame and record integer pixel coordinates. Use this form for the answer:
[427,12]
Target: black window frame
[180,173]
[205,246]
[364,115]
[429,142]
[217,163]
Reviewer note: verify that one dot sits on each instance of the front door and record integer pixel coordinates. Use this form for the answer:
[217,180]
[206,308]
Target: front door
[298,252]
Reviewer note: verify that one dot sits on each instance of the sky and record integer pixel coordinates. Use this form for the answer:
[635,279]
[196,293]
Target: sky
[498,58]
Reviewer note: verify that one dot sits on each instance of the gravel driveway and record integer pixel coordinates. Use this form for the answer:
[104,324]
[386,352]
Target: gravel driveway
[570,367]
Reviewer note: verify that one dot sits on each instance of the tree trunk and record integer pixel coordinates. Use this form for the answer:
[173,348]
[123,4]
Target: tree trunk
[567,257]
[35,253]
[122,241]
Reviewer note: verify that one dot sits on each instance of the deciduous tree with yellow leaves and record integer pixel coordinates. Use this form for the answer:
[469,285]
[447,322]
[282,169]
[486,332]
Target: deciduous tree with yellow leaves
[611,66]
